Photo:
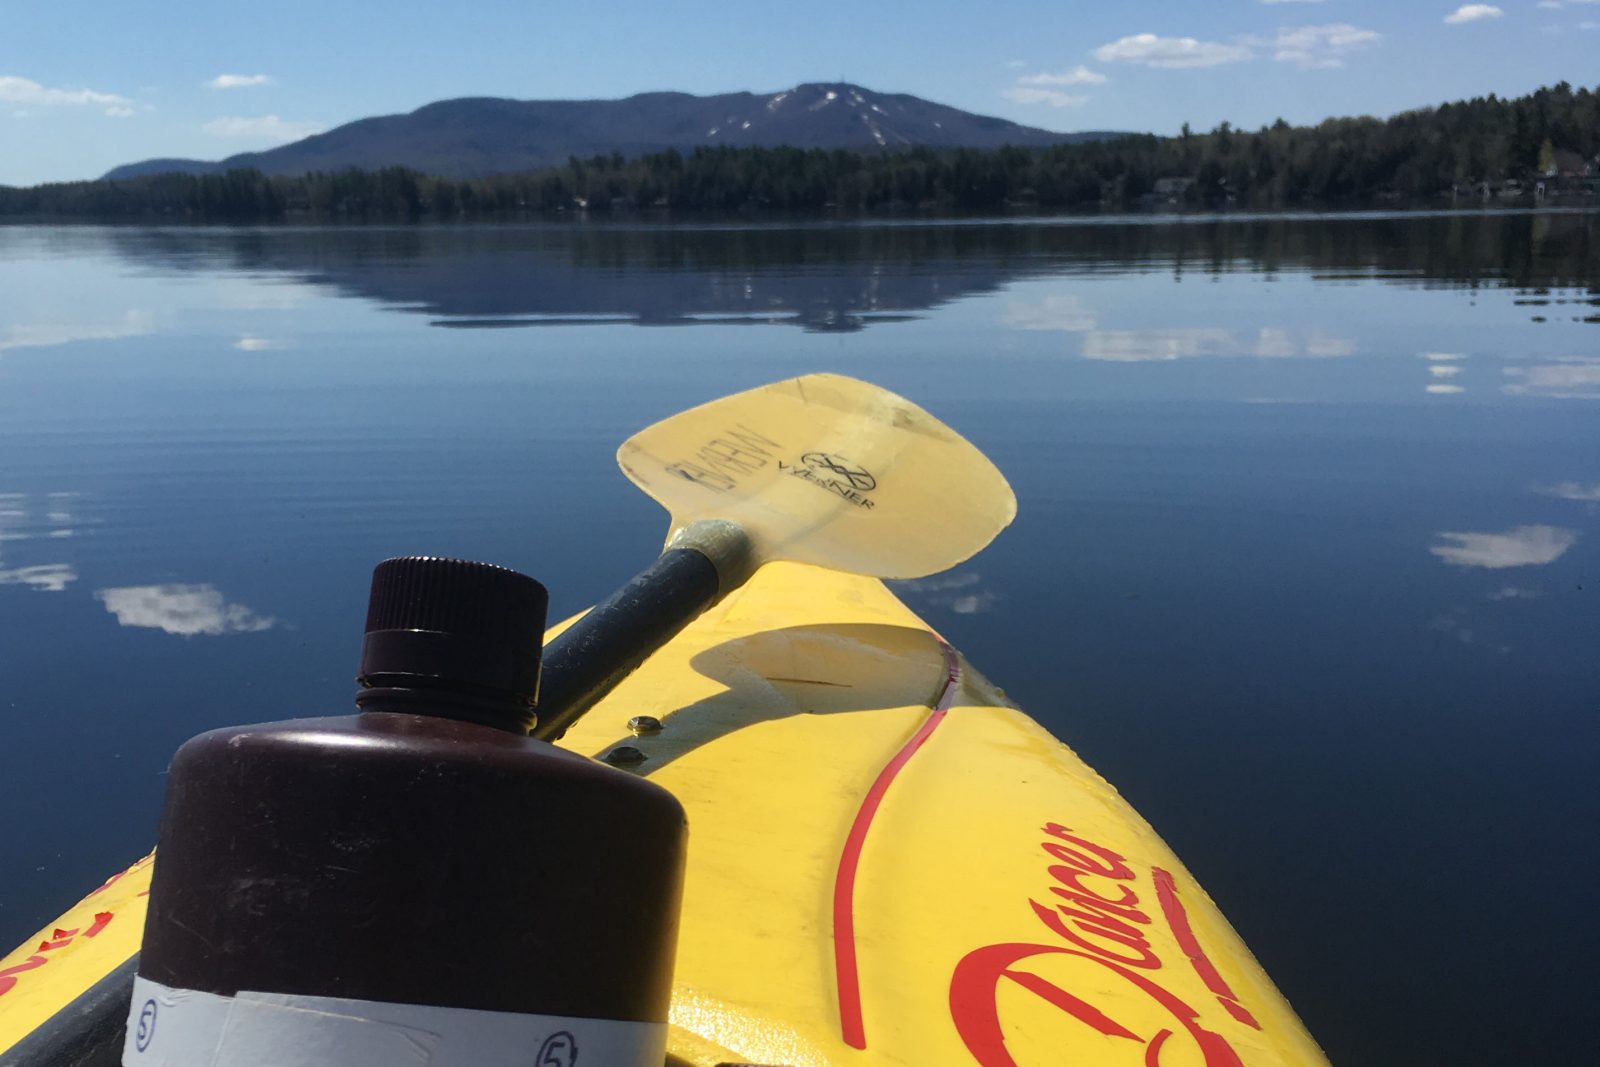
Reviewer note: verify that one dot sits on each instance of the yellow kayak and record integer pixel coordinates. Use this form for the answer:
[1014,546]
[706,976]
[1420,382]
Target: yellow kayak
[889,864]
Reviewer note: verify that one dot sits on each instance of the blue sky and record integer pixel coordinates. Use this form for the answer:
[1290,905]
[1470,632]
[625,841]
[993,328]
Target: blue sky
[88,84]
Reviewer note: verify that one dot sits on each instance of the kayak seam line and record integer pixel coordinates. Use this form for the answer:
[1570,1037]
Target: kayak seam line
[846,970]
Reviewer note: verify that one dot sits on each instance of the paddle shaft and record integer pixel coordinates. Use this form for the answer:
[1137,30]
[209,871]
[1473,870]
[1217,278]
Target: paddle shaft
[609,642]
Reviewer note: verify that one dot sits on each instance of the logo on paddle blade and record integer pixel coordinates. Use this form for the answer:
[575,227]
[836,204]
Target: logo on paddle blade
[835,473]
[857,477]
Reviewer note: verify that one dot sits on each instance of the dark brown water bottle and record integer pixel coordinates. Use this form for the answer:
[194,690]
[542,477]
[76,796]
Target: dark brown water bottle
[419,883]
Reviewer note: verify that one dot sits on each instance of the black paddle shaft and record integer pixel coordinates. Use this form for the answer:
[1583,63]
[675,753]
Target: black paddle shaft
[605,646]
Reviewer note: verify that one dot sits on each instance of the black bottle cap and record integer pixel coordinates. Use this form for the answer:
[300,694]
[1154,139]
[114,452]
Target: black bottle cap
[450,624]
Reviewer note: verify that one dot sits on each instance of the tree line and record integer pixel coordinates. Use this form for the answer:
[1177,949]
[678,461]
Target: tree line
[1415,157]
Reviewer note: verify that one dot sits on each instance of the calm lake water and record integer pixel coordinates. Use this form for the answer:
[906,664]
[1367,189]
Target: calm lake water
[1307,559]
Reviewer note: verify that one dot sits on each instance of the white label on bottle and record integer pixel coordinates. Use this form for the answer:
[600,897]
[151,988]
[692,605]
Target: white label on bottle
[184,1028]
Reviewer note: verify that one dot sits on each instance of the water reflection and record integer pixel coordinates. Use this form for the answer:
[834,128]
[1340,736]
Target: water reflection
[20,522]
[1572,378]
[1186,342]
[842,278]
[134,323]
[185,610]
[1065,313]
[1525,546]
[45,577]
[260,344]
[1460,625]
[963,593]
[1574,491]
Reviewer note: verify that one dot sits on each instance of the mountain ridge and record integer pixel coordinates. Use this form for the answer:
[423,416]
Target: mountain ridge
[476,136]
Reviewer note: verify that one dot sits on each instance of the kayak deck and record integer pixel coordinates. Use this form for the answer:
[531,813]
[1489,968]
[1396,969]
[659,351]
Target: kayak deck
[888,863]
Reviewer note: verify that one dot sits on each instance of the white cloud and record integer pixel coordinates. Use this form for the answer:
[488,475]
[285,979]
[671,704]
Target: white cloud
[238,81]
[1173,53]
[46,577]
[1524,546]
[185,610]
[1443,357]
[264,128]
[1054,97]
[1079,75]
[1190,342]
[1322,346]
[1445,390]
[1453,623]
[1473,13]
[47,334]
[974,603]
[25,91]
[1066,313]
[259,344]
[1292,1]
[1571,379]
[1574,491]
[1016,64]
[1153,345]
[1317,47]
[1309,47]
[961,593]
[940,583]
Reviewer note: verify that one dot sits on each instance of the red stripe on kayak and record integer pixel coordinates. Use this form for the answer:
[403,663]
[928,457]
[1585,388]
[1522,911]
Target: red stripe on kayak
[1178,920]
[844,881]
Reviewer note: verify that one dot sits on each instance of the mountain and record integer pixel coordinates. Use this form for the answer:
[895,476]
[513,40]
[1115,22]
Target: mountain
[477,136]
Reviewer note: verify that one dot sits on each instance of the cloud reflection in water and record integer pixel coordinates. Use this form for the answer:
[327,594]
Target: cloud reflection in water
[1572,378]
[1066,313]
[49,334]
[184,610]
[17,524]
[1524,546]
[1188,342]
[1589,494]
[961,593]
[45,577]
[259,344]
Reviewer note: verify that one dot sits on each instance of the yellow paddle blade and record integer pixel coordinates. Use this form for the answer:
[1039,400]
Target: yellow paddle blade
[827,470]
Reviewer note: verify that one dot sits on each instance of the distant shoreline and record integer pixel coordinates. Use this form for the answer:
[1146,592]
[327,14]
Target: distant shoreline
[756,220]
